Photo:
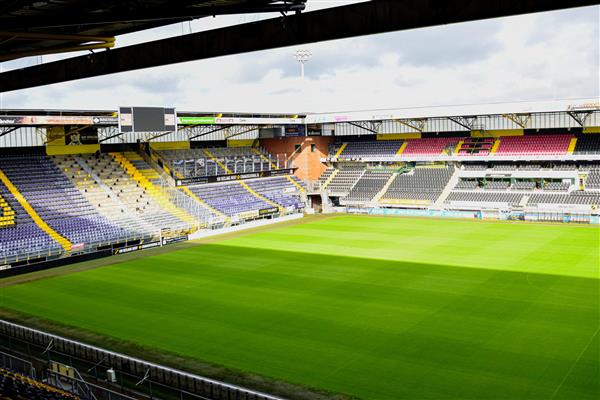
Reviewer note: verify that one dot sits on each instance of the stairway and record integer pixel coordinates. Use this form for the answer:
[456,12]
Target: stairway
[458,146]
[261,197]
[295,183]
[210,155]
[340,150]
[572,145]
[164,171]
[329,179]
[401,149]
[99,181]
[384,189]
[131,218]
[65,244]
[191,194]
[448,188]
[7,218]
[143,179]
[149,173]
[495,146]
[264,158]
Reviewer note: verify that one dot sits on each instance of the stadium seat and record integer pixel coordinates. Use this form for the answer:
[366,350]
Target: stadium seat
[425,184]
[369,185]
[534,145]
[16,386]
[357,150]
[59,203]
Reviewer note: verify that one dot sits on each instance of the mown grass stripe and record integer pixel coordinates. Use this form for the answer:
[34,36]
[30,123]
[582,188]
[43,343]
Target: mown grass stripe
[382,308]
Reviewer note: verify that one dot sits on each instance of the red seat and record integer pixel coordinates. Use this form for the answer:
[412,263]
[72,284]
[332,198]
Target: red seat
[534,145]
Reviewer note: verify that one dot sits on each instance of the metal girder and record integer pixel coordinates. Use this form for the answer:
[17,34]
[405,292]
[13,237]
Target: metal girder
[418,124]
[149,138]
[6,131]
[236,130]
[465,122]
[75,43]
[520,119]
[358,19]
[56,36]
[369,126]
[207,132]
[169,14]
[56,50]
[112,129]
[580,116]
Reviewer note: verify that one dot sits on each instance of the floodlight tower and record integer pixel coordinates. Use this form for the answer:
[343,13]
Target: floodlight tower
[302,56]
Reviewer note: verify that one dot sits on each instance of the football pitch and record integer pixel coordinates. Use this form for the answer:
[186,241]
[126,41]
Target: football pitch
[367,307]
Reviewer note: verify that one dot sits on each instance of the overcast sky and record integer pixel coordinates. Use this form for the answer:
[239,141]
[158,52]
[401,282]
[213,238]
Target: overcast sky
[541,56]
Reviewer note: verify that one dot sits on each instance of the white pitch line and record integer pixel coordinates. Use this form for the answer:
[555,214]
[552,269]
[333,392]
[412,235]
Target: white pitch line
[575,363]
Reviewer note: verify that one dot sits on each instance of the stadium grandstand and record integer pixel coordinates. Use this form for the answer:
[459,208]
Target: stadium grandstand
[80,189]
[76,186]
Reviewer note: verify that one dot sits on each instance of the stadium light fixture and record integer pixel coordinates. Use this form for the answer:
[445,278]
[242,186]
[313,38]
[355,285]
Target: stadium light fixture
[302,56]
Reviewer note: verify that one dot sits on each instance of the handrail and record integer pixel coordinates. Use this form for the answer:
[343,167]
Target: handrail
[35,336]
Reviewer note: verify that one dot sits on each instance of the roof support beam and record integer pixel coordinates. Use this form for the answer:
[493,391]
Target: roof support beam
[74,43]
[209,132]
[6,131]
[370,127]
[169,14]
[520,119]
[465,122]
[580,116]
[149,138]
[110,137]
[352,20]
[416,124]
[236,130]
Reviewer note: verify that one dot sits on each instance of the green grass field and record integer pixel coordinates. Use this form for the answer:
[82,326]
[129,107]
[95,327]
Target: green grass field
[377,308]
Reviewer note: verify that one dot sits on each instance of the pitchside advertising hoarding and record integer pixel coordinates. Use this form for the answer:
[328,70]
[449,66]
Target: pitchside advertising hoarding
[163,242]
[200,180]
[136,247]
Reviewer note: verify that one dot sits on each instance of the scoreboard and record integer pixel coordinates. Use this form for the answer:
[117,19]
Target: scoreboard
[147,119]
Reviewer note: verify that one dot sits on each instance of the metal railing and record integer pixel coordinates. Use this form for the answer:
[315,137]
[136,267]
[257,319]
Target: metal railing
[145,378]
[203,166]
[204,216]
[17,364]
[83,389]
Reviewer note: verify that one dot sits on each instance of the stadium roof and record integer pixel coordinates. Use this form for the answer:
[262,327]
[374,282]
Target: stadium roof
[35,27]
[566,106]
[370,17]
[464,110]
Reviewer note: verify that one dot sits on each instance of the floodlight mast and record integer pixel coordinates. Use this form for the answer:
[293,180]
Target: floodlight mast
[302,56]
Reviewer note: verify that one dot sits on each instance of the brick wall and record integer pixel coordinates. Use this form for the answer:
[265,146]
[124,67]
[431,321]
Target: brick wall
[308,162]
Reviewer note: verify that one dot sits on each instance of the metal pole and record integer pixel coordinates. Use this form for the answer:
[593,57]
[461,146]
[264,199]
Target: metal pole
[302,56]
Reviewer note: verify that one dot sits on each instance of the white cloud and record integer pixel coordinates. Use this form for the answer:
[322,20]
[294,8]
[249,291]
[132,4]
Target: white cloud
[529,57]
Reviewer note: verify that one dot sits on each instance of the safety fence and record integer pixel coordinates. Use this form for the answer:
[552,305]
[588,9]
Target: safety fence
[118,372]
